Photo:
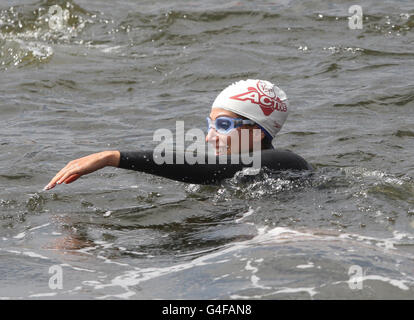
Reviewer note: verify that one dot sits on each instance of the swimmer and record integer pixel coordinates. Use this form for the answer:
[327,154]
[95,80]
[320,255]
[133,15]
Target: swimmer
[258,107]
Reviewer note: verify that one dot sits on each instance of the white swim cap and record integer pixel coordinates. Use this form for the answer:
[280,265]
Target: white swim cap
[257,100]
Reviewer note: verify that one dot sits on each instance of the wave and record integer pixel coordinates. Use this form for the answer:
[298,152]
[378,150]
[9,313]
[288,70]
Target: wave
[28,32]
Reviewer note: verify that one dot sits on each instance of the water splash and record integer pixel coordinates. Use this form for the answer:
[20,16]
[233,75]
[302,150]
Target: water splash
[28,32]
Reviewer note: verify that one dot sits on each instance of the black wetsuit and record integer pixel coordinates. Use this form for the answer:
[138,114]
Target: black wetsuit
[207,173]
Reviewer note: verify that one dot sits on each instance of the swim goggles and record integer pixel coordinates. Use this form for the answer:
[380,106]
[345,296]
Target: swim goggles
[224,125]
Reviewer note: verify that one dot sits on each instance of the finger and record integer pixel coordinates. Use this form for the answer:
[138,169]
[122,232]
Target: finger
[49,186]
[72,178]
[66,175]
[59,174]
[52,183]
[70,169]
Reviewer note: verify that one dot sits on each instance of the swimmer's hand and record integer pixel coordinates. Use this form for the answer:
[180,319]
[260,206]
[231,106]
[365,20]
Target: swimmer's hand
[79,167]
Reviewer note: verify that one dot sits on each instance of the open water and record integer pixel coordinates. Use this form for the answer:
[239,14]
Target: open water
[103,75]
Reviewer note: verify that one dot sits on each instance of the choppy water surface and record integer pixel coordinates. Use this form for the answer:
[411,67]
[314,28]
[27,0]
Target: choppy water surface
[107,74]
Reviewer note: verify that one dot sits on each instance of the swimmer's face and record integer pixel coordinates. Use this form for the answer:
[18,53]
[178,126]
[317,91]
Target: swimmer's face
[237,140]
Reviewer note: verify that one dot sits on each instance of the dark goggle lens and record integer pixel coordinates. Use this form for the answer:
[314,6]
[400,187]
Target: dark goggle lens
[223,124]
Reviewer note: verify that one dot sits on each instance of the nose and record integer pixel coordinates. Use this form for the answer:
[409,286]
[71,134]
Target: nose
[211,136]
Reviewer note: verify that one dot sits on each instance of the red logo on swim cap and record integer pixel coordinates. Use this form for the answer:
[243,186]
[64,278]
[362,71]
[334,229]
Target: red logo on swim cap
[264,96]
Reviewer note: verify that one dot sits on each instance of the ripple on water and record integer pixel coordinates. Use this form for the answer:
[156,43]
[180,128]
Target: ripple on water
[28,32]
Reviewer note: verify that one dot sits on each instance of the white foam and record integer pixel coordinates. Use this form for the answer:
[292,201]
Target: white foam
[26,253]
[38,50]
[34,255]
[39,227]
[249,267]
[134,277]
[305,266]
[137,253]
[400,284]
[76,268]
[111,49]
[106,48]
[107,213]
[311,291]
[380,175]
[39,295]
[245,215]
[254,278]
[85,250]
[20,235]
[106,260]
[265,236]
[221,277]
[104,244]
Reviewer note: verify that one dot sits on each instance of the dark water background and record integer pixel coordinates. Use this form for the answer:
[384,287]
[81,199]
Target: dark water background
[114,71]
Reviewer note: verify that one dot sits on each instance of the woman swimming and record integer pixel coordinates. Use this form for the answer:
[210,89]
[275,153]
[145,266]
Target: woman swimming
[244,119]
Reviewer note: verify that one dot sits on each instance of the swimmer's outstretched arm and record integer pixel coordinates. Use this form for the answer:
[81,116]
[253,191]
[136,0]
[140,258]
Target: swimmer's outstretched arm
[143,161]
[79,167]
[199,173]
